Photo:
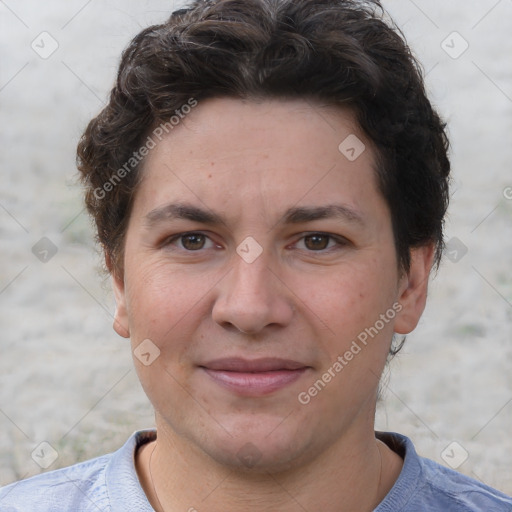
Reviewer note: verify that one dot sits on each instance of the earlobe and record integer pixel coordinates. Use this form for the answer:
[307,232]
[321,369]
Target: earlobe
[121,324]
[413,289]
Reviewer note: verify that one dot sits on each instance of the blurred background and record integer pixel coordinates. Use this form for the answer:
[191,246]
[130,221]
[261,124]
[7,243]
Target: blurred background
[66,378]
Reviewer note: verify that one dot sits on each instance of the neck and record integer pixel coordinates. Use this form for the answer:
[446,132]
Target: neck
[355,474]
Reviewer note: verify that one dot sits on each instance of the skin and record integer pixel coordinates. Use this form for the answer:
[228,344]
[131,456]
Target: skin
[302,298]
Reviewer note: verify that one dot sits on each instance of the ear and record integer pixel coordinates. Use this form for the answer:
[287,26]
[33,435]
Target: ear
[121,324]
[413,289]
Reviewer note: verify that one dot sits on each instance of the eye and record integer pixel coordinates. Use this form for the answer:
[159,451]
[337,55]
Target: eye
[319,242]
[191,241]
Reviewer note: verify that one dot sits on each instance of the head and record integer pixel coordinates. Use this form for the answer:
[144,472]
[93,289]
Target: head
[268,181]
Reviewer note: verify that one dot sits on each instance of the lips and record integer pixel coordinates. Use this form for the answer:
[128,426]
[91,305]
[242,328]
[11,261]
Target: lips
[254,377]
[238,364]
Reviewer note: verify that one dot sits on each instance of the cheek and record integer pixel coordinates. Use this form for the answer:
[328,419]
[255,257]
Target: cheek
[356,343]
[164,306]
[160,299]
[351,299]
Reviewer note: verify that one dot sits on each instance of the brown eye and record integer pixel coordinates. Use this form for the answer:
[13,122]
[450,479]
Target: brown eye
[193,241]
[316,242]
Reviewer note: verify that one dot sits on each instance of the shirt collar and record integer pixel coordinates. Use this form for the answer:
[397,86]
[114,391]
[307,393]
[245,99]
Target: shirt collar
[122,482]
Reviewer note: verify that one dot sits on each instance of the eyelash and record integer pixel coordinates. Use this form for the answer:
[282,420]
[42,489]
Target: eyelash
[339,241]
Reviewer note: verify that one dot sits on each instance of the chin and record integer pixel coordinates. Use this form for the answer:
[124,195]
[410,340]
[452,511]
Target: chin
[254,458]
[258,447]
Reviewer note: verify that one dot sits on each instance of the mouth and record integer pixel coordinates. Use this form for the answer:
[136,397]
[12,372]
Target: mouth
[254,377]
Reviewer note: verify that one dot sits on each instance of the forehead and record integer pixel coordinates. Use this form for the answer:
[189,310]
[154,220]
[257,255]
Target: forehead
[270,154]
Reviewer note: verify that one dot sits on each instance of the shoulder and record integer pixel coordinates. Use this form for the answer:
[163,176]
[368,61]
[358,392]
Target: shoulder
[64,489]
[463,493]
[106,483]
[428,486]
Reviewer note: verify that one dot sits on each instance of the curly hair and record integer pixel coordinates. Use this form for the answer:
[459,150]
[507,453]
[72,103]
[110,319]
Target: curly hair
[338,52]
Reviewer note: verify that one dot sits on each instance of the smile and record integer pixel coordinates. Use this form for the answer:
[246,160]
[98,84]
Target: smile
[254,378]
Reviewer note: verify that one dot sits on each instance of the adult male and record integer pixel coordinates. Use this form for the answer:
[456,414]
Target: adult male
[269,183]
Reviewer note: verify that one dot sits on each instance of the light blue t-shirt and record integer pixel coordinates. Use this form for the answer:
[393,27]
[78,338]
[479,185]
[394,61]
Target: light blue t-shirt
[110,484]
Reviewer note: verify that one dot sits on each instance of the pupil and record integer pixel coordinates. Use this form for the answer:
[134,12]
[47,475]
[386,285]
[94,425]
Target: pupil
[193,242]
[317,242]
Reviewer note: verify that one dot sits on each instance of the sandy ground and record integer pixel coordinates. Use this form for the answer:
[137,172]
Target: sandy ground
[67,379]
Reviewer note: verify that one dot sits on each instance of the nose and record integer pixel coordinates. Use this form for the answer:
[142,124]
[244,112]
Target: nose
[252,297]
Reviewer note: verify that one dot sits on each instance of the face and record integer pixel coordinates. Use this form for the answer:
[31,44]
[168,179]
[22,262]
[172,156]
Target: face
[260,265]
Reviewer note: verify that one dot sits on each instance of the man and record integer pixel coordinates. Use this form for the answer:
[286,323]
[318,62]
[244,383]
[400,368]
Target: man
[268,183]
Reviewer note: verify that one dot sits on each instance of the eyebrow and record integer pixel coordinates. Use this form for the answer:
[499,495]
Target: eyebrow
[294,215]
[298,215]
[180,211]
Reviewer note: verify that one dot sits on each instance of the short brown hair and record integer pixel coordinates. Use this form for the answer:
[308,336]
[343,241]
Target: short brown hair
[339,52]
